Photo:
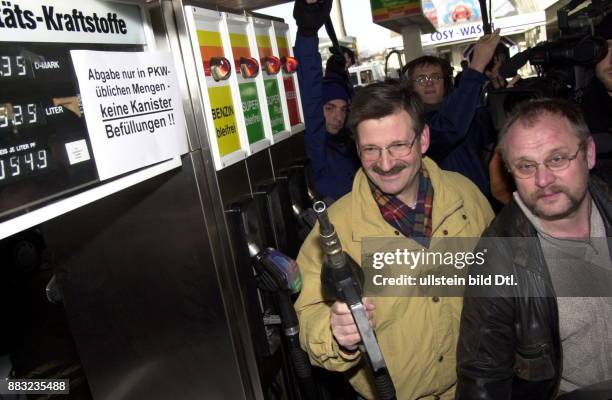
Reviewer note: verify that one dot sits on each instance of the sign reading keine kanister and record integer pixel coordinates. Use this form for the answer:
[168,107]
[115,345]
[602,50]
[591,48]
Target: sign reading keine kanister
[132,108]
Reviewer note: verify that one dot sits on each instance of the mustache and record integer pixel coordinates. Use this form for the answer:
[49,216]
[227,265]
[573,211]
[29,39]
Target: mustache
[552,189]
[394,170]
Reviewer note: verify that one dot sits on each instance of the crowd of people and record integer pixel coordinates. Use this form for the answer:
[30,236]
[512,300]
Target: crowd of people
[412,161]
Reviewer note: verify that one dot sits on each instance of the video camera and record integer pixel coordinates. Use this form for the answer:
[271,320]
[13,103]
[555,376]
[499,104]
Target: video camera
[576,46]
[564,65]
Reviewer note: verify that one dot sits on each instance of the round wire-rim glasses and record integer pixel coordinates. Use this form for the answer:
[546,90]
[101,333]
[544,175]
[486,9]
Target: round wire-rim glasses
[424,79]
[395,150]
[525,169]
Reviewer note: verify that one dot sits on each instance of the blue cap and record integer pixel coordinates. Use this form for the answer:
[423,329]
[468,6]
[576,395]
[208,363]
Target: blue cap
[334,91]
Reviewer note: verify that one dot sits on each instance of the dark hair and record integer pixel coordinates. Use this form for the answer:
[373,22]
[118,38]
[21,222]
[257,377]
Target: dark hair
[444,65]
[382,99]
[529,113]
[465,63]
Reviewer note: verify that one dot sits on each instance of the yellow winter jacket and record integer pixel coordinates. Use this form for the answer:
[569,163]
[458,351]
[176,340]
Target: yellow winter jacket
[417,335]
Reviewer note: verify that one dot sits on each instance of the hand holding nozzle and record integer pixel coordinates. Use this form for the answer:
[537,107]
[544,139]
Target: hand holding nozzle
[343,324]
[341,282]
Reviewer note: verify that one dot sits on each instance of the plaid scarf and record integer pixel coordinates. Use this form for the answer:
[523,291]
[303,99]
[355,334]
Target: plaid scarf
[414,223]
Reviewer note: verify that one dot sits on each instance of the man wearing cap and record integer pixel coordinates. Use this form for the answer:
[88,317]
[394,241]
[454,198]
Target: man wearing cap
[332,152]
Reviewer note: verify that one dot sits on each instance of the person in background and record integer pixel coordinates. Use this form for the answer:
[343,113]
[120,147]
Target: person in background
[596,102]
[462,132]
[329,146]
[501,182]
[397,193]
[464,65]
[496,81]
[532,340]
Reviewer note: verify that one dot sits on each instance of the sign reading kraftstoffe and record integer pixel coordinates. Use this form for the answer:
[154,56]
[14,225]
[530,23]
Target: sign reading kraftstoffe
[132,108]
[71,22]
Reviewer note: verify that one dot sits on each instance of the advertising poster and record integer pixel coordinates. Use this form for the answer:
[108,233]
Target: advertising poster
[457,12]
[384,10]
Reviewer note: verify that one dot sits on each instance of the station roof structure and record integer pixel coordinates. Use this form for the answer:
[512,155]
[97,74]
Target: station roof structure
[242,5]
[523,6]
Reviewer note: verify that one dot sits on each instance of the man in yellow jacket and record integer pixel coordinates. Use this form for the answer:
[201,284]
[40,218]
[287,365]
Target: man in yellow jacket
[397,192]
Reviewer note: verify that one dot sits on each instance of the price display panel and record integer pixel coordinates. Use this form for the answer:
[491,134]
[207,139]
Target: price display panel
[45,151]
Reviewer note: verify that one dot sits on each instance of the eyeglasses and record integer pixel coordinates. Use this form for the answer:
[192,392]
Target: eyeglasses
[423,79]
[396,150]
[557,162]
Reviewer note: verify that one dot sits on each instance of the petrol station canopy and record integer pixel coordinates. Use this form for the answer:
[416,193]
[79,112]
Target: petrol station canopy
[521,6]
[243,5]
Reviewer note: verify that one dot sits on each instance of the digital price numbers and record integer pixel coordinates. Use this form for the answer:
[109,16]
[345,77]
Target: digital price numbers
[17,166]
[25,158]
[14,67]
[15,116]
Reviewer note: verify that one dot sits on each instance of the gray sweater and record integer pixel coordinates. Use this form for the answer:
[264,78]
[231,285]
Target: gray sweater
[581,273]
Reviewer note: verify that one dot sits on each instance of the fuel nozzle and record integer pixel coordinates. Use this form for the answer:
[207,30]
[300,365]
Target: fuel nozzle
[276,270]
[341,280]
[254,249]
[280,274]
[326,227]
[328,236]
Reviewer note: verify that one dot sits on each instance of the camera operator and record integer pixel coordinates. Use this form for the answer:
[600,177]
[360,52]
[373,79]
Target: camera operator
[597,101]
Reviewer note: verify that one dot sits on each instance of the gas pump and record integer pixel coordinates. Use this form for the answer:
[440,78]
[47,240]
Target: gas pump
[121,291]
[250,227]
[275,195]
